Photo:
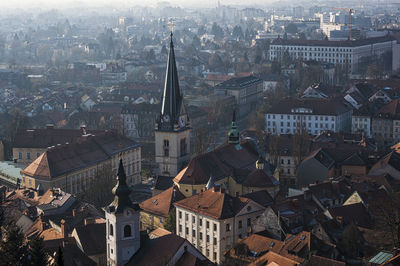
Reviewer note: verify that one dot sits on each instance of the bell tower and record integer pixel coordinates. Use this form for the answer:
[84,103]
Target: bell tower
[172,131]
[122,223]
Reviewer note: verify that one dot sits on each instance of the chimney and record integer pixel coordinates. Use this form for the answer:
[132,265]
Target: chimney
[64,229]
[74,212]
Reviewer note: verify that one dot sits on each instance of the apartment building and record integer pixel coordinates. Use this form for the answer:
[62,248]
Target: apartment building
[314,116]
[248,92]
[73,167]
[212,221]
[347,52]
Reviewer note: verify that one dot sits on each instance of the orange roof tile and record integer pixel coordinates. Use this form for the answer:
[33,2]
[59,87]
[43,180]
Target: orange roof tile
[161,204]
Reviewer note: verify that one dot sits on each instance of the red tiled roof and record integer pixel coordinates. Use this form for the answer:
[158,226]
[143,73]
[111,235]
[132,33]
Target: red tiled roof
[161,204]
[216,204]
[84,152]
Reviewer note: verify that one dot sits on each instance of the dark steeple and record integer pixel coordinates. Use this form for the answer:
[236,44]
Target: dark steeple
[233,134]
[121,192]
[172,103]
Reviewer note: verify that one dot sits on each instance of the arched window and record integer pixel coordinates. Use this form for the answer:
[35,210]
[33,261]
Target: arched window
[127,231]
[111,230]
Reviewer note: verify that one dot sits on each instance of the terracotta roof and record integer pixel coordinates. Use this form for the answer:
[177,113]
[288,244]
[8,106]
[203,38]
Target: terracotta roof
[162,203]
[86,151]
[159,232]
[272,257]
[219,163]
[352,214]
[259,178]
[188,259]
[262,197]
[216,204]
[317,261]
[294,244]
[157,251]
[262,244]
[92,237]
[392,108]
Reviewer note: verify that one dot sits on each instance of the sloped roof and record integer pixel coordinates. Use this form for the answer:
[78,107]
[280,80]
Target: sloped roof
[162,203]
[216,204]
[92,238]
[318,260]
[86,151]
[219,163]
[259,178]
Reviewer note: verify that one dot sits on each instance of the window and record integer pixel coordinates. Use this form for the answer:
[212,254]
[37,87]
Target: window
[127,231]
[240,224]
[201,236]
[166,148]
[207,252]
[207,238]
[215,227]
[201,222]
[207,224]
[214,255]
[214,240]
[180,214]
[228,227]
[193,232]
[19,155]
[193,219]
[28,155]
[180,228]
[186,217]
[187,230]
[111,230]
[248,221]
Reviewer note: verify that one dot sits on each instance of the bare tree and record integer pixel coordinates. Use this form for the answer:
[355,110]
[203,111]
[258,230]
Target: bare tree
[99,192]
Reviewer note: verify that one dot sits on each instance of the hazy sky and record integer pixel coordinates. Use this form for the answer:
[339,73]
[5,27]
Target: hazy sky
[71,3]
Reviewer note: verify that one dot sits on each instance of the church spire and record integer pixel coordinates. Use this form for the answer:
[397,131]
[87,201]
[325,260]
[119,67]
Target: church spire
[233,134]
[172,98]
[121,193]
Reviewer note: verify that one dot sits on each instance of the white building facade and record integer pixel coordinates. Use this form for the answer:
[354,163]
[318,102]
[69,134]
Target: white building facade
[338,52]
[312,116]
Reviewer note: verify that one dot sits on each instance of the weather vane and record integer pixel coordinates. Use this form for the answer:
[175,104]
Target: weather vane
[171,25]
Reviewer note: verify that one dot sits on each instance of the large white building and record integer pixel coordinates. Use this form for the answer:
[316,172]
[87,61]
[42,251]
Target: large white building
[338,52]
[212,221]
[310,115]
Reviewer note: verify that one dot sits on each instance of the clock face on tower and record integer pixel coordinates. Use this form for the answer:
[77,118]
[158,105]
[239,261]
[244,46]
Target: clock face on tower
[182,121]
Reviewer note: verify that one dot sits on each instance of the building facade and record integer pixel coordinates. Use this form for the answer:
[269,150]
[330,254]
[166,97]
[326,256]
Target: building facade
[214,230]
[346,53]
[248,93]
[308,115]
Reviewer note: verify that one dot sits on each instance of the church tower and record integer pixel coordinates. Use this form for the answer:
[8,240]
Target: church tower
[122,223]
[172,132]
